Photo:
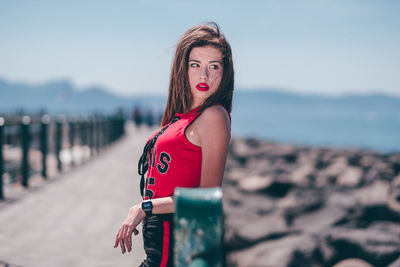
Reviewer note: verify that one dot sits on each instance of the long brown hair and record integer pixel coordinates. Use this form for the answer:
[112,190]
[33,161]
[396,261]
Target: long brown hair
[179,95]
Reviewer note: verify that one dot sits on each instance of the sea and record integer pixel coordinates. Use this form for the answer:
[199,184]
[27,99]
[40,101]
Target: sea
[369,122]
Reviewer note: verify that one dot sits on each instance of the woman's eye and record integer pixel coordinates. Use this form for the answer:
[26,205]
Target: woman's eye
[194,65]
[214,67]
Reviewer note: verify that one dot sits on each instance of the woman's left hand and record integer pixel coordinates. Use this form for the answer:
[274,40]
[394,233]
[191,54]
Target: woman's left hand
[124,236]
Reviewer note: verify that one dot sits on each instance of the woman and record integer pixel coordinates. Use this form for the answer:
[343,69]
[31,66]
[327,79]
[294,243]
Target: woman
[190,149]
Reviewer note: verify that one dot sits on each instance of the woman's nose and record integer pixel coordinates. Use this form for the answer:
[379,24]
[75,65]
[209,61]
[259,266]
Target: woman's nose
[204,73]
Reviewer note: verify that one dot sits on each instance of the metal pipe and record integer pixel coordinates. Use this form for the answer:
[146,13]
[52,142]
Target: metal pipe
[26,138]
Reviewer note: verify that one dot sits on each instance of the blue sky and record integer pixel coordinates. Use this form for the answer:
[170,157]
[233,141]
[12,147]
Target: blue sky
[311,46]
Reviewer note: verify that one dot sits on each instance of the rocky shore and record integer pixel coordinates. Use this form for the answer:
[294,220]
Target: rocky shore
[287,205]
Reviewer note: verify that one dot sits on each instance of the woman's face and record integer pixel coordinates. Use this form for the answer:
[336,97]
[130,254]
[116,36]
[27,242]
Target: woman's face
[205,73]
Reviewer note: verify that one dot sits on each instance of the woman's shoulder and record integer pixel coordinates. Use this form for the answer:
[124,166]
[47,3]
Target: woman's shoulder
[216,112]
[214,115]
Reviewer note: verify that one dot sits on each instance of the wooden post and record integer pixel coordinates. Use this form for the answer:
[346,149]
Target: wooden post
[198,227]
[25,142]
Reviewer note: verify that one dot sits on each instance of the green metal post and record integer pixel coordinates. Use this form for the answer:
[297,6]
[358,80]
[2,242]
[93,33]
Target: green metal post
[97,133]
[82,132]
[199,262]
[71,131]
[198,227]
[58,146]
[25,142]
[43,143]
[1,157]
[91,136]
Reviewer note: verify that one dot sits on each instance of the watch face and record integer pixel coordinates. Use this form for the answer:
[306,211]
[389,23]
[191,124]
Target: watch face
[147,205]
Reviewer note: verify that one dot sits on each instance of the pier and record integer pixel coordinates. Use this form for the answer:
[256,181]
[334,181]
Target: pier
[72,219]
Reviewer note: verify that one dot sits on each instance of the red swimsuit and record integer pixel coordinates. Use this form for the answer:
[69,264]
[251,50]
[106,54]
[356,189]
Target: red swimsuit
[175,162]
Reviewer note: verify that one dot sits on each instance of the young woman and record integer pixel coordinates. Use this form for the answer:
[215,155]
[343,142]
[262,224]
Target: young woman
[190,149]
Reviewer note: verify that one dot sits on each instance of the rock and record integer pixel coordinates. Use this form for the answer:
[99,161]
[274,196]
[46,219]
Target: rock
[293,250]
[231,163]
[279,166]
[396,263]
[278,189]
[317,221]
[258,166]
[363,216]
[234,175]
[395,161]
[374,194]
[375,213]
[352,263]
[255,183]
[384,169]
[301,175]
[298,203]
[393,198]
[240,151]
[350,177]
[238,204]
[378,244]
[367,161]
[258,222]
[274,253]
[262,229]
[307,155]
[336,167]
[371,175]
[231,196]
[253,142]
[298,206]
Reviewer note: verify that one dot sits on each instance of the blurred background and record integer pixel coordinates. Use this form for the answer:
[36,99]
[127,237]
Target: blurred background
[311,72]
[316,110]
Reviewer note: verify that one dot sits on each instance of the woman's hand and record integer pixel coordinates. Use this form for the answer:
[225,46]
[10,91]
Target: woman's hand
[124,236]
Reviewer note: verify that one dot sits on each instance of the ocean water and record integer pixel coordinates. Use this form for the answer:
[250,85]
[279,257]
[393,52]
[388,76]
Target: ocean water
[370,122]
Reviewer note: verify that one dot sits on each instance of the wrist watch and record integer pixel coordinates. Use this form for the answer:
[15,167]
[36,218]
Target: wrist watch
[147,207]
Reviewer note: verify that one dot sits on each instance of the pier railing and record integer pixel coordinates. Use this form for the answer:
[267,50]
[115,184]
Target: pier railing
[34,144]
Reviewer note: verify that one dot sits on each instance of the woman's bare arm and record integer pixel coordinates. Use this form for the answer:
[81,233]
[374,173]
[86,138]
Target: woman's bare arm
[213,129]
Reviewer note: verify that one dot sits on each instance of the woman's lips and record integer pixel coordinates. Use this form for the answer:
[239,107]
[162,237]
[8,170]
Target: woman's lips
[202,87]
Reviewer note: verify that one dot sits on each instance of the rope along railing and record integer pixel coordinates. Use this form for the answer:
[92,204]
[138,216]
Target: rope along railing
[28,142]
[198,227]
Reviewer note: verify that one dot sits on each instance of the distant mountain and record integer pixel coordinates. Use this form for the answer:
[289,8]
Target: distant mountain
[62,97]
[279,100]
[367,121]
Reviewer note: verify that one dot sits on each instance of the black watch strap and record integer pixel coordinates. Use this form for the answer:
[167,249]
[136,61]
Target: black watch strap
[147,207]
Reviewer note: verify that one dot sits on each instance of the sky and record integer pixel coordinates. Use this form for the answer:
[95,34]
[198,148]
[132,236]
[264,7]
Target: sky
[313,46]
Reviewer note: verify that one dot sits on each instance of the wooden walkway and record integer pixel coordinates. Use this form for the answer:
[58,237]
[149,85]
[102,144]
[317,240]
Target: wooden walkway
[73,219]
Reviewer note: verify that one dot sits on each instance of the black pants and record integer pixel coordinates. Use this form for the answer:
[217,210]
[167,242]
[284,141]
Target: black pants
[158,239]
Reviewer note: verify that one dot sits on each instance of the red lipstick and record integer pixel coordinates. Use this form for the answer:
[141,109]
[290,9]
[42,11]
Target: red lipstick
[202,87]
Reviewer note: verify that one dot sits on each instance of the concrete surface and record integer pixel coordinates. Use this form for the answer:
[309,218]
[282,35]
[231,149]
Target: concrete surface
[73,219]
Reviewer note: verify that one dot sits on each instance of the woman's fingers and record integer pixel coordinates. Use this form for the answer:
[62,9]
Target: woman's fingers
[128,240]
[122,245]
[117,240]
[123,239]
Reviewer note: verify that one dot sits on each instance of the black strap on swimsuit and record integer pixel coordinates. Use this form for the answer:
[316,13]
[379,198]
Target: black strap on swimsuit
[147,154]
